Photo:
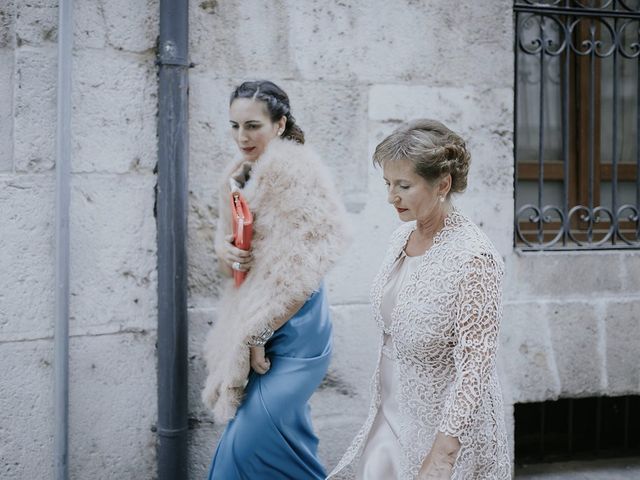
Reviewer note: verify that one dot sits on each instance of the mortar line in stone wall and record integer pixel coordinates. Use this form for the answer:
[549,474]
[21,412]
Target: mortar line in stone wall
[626,298]
[367,83]
[126,331]
[213,308]
[147,172]
[150,52]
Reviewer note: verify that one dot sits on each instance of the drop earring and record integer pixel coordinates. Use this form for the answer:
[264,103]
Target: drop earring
[441,198]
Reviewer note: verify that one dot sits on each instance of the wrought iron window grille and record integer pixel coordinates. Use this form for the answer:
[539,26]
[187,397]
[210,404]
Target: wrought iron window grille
[577,142]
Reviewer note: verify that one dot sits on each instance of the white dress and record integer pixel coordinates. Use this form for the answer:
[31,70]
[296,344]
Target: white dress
[444,339]
[381,454]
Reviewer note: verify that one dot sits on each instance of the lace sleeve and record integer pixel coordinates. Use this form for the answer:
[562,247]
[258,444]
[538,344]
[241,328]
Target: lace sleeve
[477,319]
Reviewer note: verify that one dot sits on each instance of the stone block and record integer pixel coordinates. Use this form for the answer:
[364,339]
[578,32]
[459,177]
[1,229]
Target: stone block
[239,37]
[36,22]
[211,148]
[629,267]
[341,404]
[472,112]
[622,324]
[493,215]
[113,400]
[333,117]
[35,109]
[577,336]
[89,26]
[200,321]
[204,279]
[350,280]
[7,23]
[131,26]
[530,372]
[203,432]
[115,105]
[26,406]
[113,245]
[203,440]
[566,274]
[27,248]
[350,41]
[6,106]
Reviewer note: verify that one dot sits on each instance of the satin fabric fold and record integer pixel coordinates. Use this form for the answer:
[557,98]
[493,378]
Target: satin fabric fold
[271,436]
[380,459]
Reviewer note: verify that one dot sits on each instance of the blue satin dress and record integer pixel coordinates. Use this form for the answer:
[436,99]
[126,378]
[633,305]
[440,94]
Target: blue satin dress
[271,436]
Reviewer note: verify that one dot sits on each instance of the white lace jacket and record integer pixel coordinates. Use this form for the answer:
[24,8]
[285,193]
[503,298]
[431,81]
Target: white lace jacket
[444,331]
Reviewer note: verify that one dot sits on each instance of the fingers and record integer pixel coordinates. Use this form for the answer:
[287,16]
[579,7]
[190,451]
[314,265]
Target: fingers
[261,368]
[232,254]
[259,362]
[242,264]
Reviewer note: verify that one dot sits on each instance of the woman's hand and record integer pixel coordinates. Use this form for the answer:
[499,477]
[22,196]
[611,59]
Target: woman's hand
[259,362]
[229,254]
[438,465]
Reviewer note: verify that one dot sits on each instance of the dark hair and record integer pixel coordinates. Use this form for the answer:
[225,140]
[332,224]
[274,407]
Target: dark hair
[276,101]
[433,149]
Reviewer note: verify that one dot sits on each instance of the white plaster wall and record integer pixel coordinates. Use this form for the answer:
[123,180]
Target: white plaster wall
[113,245]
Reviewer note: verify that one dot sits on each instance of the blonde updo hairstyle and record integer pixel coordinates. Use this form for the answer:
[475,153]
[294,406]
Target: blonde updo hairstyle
[433,149]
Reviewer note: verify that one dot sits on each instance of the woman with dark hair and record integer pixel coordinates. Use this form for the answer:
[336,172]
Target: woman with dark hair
[270,345]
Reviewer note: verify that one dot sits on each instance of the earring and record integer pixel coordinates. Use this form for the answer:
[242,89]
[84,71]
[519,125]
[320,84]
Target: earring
[280,132]
[441,198]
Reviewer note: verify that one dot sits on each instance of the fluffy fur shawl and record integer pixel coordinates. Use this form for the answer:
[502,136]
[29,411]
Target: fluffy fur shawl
[300,231]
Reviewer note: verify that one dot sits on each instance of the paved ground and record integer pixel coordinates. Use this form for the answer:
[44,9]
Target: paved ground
[620,469]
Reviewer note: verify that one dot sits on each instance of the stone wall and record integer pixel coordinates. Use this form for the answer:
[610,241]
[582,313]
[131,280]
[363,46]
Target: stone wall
[113,245]
[353,70]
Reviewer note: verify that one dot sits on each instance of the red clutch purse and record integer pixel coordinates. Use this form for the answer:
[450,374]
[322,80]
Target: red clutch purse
[242,228]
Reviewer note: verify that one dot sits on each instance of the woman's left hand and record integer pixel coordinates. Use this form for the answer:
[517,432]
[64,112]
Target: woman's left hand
[438,465]
[435,467]
[259,362]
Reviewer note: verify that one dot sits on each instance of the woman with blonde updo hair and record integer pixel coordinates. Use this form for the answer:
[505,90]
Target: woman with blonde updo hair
[437,407]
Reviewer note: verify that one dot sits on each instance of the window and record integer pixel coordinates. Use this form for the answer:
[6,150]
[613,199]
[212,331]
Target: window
[577,145]
[577,428]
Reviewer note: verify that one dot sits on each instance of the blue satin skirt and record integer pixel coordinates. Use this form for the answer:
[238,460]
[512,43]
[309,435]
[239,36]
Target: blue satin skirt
[271,436]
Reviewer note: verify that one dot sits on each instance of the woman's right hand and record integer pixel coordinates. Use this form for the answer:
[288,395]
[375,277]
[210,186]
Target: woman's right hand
[259,361]
[229,254]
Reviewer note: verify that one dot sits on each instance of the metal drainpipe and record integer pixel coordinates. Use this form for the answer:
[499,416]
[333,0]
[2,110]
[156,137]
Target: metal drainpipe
[172,230]
[63,168]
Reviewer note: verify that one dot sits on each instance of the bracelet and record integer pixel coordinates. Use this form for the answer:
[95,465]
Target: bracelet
[261,339]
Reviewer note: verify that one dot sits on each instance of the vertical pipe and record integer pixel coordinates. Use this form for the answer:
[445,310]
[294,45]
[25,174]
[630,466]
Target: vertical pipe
[172,231]
[63,167]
